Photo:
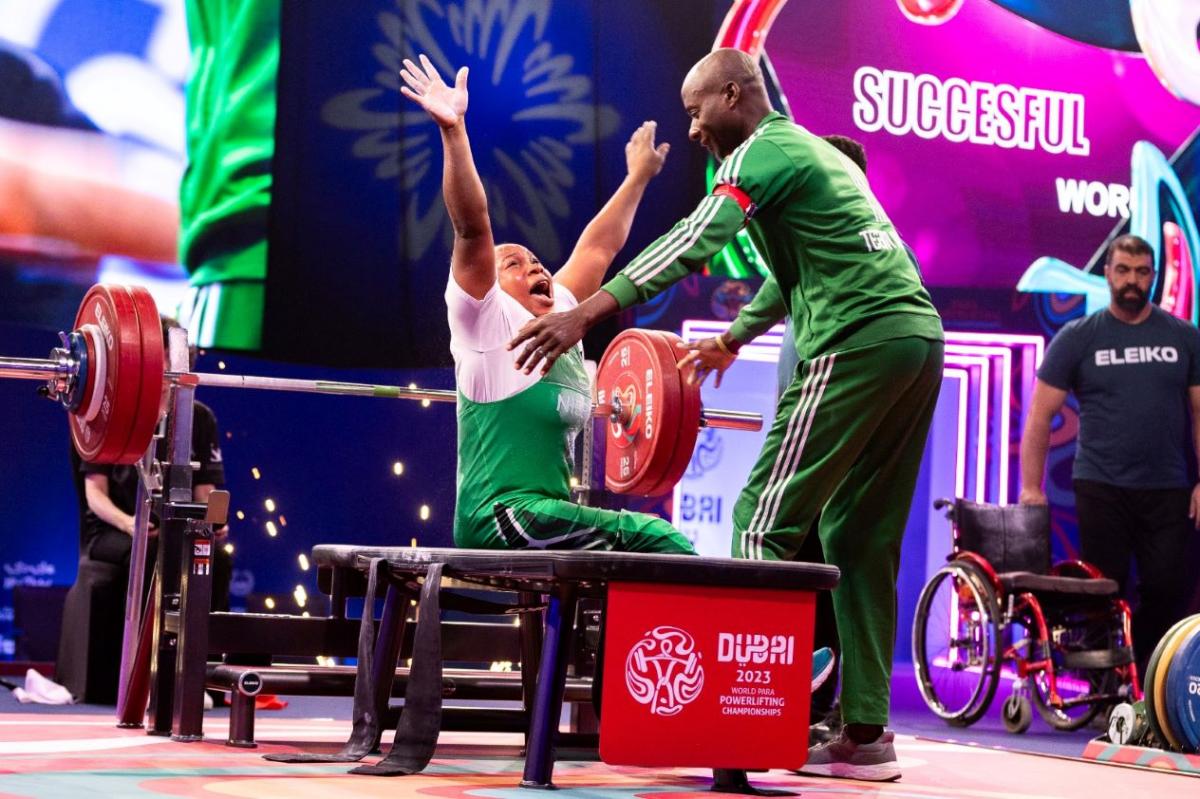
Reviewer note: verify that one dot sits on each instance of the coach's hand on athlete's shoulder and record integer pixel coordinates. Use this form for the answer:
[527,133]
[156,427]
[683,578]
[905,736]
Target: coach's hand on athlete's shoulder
[548,337]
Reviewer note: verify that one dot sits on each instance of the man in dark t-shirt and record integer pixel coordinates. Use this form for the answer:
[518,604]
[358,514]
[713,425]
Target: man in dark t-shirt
[108,498]
[1135,372]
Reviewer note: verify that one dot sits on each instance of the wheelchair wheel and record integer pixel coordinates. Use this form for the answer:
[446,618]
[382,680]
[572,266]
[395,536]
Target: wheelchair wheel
[955,640]
[1017,713]
[1077,685]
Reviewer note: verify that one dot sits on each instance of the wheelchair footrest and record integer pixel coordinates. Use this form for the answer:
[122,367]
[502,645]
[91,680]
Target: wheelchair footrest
[1091,699]
[1096,658]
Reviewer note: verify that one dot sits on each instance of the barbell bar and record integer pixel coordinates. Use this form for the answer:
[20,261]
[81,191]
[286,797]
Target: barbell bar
[709,417]
[50,370]
[109,375]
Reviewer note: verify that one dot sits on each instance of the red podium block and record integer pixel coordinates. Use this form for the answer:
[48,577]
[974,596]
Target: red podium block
[709,677]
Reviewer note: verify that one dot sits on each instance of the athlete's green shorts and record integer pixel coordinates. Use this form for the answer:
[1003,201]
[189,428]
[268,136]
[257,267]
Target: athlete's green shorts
[847,442]
[533,522]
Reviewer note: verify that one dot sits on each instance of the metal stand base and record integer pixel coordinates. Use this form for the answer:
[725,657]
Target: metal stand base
[727,780]
[539,786]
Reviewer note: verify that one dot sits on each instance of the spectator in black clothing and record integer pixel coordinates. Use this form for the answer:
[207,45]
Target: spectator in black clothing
[1135,372]
[109,496]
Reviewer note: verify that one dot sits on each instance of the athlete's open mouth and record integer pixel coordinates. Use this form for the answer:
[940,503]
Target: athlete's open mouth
[541,288]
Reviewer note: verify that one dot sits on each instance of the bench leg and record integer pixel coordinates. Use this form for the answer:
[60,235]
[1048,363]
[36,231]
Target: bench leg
[365,733]
[241,720]
[551,684]
[531,652]
[392,622]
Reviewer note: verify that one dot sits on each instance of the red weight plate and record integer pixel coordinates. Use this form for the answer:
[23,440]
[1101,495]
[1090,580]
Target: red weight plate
[110,309]
[146,419]
[659,479]
[632,369]
[689,420]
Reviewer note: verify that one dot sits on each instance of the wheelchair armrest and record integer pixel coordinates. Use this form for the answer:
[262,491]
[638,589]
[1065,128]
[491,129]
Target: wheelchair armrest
[1076,568]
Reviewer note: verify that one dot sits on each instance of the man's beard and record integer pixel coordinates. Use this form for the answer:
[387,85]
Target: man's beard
[1130,299]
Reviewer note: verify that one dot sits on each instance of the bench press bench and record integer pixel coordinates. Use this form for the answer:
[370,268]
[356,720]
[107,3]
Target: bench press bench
[705,661]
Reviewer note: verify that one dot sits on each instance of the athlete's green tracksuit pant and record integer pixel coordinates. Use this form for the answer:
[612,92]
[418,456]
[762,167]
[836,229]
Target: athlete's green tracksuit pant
[531,522]
[847,440]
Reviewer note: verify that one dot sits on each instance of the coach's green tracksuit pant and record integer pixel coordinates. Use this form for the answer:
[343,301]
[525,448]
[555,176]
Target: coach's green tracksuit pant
[847,440]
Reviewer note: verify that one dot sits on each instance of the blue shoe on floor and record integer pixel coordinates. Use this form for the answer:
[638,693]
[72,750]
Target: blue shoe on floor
[823,662]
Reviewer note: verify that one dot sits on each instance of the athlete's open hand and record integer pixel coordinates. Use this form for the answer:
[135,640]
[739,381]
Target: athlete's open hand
[642,158]
[445,104]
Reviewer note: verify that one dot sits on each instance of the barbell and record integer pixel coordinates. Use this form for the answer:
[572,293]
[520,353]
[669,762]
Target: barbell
[109,375]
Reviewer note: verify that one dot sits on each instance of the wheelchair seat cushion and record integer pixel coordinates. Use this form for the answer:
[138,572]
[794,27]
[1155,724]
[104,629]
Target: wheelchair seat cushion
[1047,584]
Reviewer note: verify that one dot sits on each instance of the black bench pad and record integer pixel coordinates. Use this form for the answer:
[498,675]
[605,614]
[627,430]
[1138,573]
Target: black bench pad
[537,569]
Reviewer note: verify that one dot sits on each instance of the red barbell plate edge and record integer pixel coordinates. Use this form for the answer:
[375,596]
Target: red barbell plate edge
[151,378]
[687,426]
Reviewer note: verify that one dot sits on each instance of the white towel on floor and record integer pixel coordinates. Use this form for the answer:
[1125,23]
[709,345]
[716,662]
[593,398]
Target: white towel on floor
[42,690]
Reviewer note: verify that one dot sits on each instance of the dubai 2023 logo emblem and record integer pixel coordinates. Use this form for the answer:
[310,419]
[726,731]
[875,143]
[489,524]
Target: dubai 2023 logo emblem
[663,670]
[532,112]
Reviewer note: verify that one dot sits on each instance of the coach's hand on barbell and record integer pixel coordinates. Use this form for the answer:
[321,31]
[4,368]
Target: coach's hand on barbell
[548,337]
[706,356]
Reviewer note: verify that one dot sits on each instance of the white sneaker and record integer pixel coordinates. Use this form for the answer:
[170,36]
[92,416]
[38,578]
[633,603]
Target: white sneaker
[842,757]
[208,701]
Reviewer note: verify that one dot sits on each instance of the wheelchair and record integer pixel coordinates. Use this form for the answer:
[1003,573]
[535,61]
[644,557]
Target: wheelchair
[998,608]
